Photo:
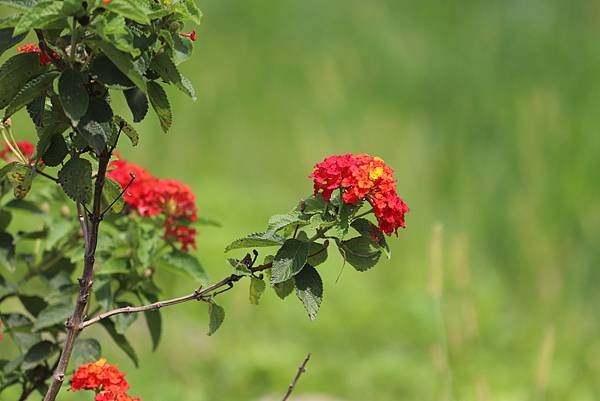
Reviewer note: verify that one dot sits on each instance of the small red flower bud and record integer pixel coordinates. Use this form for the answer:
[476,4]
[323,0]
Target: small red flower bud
[191,35]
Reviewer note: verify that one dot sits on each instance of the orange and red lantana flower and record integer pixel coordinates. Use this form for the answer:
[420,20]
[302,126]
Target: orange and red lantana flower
[105,379]
[151,196]
[363,177]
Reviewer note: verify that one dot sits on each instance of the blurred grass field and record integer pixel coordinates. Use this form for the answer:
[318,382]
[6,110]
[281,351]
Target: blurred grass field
[490,114]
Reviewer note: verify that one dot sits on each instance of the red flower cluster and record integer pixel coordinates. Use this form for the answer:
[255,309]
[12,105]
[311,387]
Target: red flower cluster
[363,177]
[26,148]
[33,48]
[104,378]
[151,196]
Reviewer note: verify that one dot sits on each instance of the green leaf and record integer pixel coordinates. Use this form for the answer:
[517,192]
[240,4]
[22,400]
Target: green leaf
[7,251]
[105,71]
[124,62]
[361,252]
[15,73]
[160,104]
[191,11]
[313,205]
[257,287]
[112,190]
[279,222]
[183,262]
[10,21]
[127,129]
[370,231]
[6,288]
[309,289]
[96,126]
[114,265]
[85,350]
[36,109]
[120,340]
[21,5]
[137,102]
[33,303]
[33,89]
[182,48]
[7,40]
[73,94]
[289,260]
[186,86]
[216,315]
[112,29]
[317,253]
[284,288]
[53,315]
[153,318]
[19,327]
[75,178]
[56,152]
[45,14]
[5,219]
[256,240]
[164,67]
[39,353]
[124,320]
[128,9]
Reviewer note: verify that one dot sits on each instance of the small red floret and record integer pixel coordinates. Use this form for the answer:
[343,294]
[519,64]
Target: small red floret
[191,35]
[33,48]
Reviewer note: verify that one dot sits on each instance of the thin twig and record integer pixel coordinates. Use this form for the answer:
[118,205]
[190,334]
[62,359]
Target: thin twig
[292,385]
[125,188]
[48,176]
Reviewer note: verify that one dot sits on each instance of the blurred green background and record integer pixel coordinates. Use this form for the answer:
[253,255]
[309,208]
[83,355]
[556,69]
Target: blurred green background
[490,114]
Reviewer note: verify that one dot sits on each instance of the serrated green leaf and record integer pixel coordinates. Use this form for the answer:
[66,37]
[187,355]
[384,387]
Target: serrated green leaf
[309,289]
[279,222]
[85,350]
[182,48]
[120,340]
[256,240]
[360,252]
[43,15]
[127,129]
[317,253]
[75,178]
[30,91]
[128,9]
[73,94]
[56,151]
[36,109]
[113,29]
[216,315]
[21,5]
[289,260]
[257,287]
[112,191]
[105,71]
[11,21]
[7,40]
[160,104]
[38,353]
[124,62]
[137,102]
[15,73]
[53,315]
[96,127]
[186,86]
[284,288]
[165,68]
[19,327]
[183,262]
[191,11]
[370,231]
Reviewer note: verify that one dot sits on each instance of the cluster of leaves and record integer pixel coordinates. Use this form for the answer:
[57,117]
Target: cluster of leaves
[85,52]
[302,238]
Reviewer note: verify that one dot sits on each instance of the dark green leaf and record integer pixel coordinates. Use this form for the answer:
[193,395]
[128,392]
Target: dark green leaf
[73,94]
[284,289]
[105,71]
[153,318]
[124,320]
[137,102]
[183,262]
[120,340]
[53,315]
[33,303]
[36,110]
[21,5]
[7,251]
[370,231]
[75,178]
[182,48]
[256,240]
[96,126]
[7,40]
[289,260]
[361,252]
[165,68]
[216,315]
[56,152]
[317,253]
[309,289]
[160,104]
[85,350]
[39,353]
[127,129]
[124,62]
[15,73]
[33,89]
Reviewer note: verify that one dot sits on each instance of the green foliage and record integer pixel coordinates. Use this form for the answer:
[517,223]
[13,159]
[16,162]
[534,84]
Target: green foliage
[75,179]
[309,289]
[216,315]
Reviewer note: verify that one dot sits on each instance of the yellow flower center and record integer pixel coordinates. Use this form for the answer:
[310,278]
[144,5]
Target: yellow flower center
[375,173]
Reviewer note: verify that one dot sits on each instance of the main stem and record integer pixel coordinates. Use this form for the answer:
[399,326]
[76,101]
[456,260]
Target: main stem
[85,282]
